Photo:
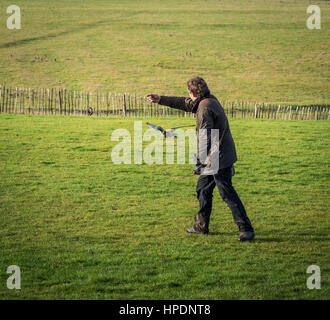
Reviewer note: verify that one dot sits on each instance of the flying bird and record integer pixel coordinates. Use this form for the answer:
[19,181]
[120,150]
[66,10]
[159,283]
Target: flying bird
[166,133]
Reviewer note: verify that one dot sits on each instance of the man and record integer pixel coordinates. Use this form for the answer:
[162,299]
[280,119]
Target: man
[210,115]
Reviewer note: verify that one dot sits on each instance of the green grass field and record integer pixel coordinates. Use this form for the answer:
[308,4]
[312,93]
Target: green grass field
[81,227]
[252,50]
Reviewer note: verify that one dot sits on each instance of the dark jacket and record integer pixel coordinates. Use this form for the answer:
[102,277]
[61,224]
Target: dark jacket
[209,115]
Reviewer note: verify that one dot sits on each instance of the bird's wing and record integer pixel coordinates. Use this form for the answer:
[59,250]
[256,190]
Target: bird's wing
[155,127]
[182,127]
[171,133]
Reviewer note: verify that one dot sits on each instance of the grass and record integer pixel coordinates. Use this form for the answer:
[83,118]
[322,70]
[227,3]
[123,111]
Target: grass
[254,50]
[81,227]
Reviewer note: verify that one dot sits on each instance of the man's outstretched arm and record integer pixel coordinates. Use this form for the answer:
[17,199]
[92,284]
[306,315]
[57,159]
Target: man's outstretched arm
[182,103]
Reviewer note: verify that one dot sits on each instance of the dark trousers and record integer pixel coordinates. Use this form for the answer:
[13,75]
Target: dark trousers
[204,190]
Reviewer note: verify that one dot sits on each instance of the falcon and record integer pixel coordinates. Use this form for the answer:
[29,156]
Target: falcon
[167,133]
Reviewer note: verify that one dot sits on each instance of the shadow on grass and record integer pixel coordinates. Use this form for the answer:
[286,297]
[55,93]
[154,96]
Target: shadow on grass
[302,237]
[219,233]
[49,36]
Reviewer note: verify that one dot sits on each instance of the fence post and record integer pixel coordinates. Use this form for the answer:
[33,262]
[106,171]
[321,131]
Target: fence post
[97,103]
[24,90]
[16,95]
[113,106]
[124,104]
[39,98]
[60,99]
[74,102]
[278,111]
[80,102]
[55,100]
[3,93]
[290,113]
[255,111]
[9,105]
[51,101]
[19,100]
[6,100]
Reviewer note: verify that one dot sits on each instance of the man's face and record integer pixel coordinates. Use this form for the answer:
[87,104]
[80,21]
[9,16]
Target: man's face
[192,96]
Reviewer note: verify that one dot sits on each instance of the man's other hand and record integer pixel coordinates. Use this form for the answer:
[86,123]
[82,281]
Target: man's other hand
[153,97]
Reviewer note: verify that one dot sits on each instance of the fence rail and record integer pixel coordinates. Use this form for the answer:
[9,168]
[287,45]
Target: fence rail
[55,101]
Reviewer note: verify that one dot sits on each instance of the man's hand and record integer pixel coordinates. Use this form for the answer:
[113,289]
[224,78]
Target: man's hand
[153,97]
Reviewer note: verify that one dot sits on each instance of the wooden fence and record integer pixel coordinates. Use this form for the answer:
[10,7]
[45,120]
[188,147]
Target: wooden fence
[69,102]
